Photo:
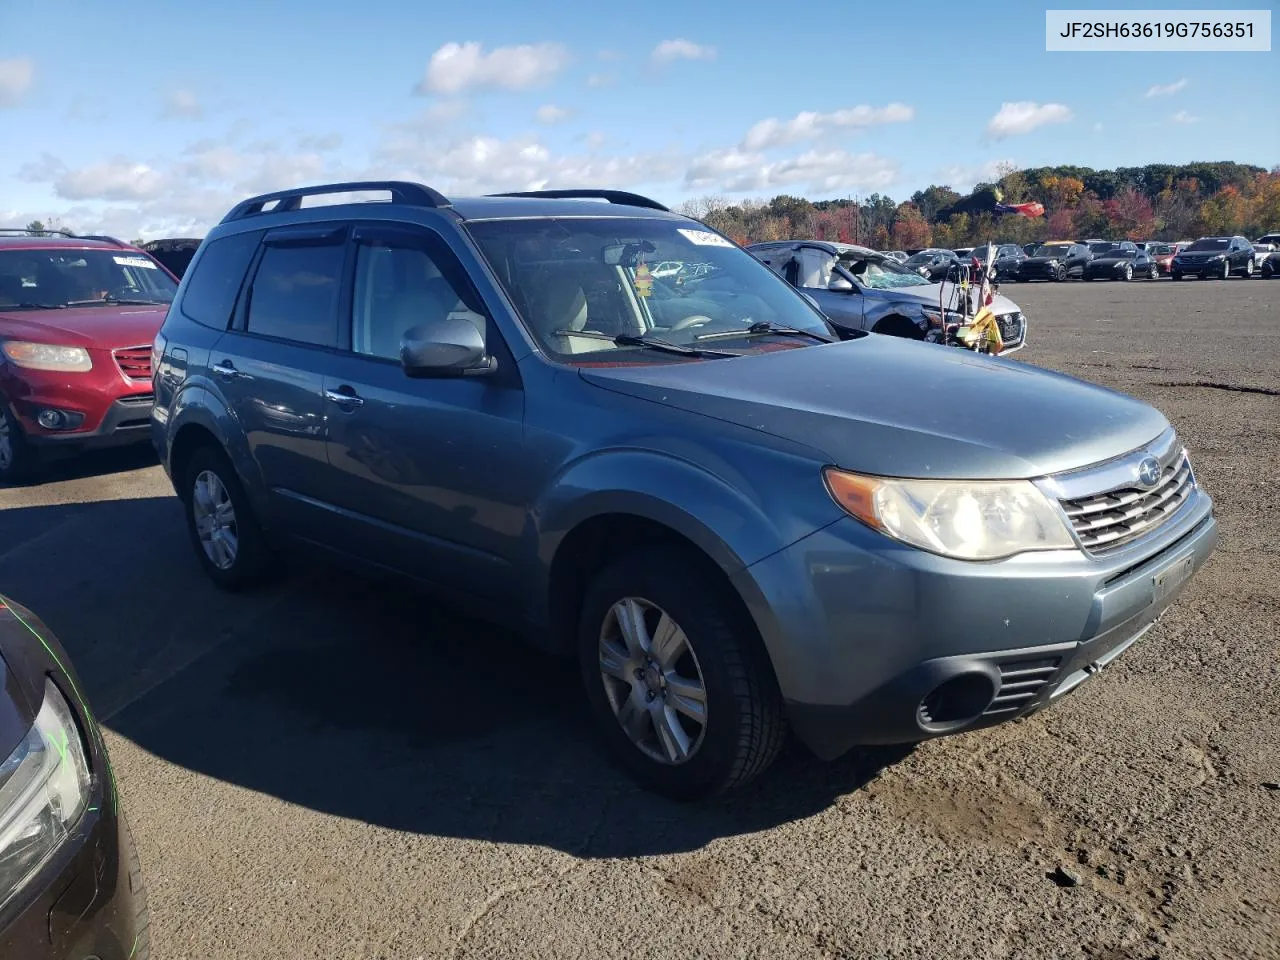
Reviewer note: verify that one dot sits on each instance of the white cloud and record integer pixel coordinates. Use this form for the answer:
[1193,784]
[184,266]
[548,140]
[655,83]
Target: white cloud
[1182,116]
[963,177]
[809,125]
[118,179]
[1024,116]
[596,140]
[742,171]
[456,67]
[182,105]
[669,50]
[1167,89]
[15,80]
[602,80]
[550,113]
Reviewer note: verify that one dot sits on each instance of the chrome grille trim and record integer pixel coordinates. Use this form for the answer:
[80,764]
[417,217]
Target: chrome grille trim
[1107,508]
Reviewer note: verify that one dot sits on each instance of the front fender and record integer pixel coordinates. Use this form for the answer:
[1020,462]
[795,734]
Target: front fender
[731,522]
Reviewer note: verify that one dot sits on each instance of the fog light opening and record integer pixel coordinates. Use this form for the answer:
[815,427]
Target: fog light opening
[956,702]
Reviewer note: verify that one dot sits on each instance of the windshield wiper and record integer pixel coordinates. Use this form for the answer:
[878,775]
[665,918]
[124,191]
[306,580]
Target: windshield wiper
[764,328]
[33,306]
[125,301]
[653,343]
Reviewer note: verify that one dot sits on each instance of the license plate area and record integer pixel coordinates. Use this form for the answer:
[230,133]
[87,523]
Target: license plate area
[1171,578]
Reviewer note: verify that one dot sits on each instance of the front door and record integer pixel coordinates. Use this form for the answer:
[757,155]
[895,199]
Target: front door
[817,268]
[269,365]
[427,475]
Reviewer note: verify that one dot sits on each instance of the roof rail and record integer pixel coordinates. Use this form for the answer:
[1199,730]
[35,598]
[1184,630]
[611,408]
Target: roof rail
[26,232]
[613,196]
[101,236]
[402,191]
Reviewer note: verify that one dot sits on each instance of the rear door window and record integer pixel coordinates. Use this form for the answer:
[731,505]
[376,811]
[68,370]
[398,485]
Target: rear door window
[294,295]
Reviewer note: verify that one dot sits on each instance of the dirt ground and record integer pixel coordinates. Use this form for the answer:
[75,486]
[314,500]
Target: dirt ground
[337,769]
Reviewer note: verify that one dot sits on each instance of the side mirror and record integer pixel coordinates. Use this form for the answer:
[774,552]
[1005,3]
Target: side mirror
[453,347]
[839,285]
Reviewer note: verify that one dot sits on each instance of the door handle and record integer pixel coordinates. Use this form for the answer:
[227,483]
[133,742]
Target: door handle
[344,397]
[226,369]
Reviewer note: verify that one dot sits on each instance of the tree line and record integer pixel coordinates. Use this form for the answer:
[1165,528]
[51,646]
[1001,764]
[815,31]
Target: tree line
[1156,202]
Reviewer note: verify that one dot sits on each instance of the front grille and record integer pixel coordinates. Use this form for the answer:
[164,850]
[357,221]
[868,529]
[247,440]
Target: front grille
[134,362]
[1012,327]
[1111,519]
[1021,682]
[137,400]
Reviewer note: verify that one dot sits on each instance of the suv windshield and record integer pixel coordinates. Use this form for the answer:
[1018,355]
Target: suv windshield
[1102,247]
[61,277]
[580,282]
[1053,250]
[1210,243]
[882,273]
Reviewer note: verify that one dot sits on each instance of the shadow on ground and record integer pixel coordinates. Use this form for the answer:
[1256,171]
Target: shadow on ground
[361,699]
[94,463]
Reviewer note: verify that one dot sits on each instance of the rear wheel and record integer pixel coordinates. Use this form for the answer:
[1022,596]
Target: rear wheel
[229,542]
[676,677]
[17,457]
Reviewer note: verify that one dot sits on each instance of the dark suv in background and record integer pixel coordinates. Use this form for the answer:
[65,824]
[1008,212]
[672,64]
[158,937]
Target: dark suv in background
[734,519]
[1056,260]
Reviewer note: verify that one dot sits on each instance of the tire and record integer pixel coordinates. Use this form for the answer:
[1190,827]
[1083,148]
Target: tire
[142,912]
[741,703]
[251,562]
[18,459]
[1226,270]
[1128,272]
[1060,274]
[1176,276]
[1154,273]
[1268,270]
[1248,269]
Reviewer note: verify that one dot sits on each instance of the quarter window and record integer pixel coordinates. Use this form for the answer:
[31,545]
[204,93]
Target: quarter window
[211,291]
[295,294]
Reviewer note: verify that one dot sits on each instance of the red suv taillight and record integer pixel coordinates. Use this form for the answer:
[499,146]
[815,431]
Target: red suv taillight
[157,352]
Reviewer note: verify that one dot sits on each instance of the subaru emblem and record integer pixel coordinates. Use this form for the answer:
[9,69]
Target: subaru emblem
[1149,472]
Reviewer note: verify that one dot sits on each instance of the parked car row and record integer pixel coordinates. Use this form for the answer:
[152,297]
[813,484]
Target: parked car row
[1059,260]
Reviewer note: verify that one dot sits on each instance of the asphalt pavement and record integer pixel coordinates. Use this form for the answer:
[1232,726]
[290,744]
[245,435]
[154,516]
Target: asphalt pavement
[337,768]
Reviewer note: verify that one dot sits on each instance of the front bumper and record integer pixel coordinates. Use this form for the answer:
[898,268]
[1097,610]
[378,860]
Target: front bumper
[874,642]
[81,903]
[126,421]
[1198,269]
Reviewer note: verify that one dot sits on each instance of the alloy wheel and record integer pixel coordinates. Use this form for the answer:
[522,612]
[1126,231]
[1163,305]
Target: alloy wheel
[1226,269]
[215,519]
[1128,273]
[653,681]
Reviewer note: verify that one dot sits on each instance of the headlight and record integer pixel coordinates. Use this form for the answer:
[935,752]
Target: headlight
[968,520]
[936,316]
[44,786]
[1216,256]
[48,356]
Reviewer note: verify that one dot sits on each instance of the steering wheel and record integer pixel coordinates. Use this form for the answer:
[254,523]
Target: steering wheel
[697,320]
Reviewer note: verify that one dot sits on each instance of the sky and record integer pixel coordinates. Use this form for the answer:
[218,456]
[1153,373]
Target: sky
[153,121]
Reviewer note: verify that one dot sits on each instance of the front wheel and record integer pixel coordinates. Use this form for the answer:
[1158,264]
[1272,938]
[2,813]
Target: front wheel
[676,676]
[1226,270]
[1176,276]
[1248,269]
[18,458]
[229,543]
[1154,273]
[1268,270]
[1060,274]
[1128,273]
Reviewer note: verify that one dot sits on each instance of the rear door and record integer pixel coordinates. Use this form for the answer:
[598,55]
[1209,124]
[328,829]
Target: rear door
[270,365]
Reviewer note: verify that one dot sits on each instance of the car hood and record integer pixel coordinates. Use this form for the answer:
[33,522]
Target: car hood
[894,407]
[1105,261]
[17,704]
[927,295]
[1199,254]
[108,327]
[1038,261]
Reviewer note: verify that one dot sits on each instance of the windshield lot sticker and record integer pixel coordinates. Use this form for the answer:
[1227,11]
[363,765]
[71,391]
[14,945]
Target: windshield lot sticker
[644,280]
[135,262]
[704,238]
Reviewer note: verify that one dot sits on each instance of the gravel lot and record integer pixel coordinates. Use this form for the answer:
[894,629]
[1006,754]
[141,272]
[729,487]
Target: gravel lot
[337,769]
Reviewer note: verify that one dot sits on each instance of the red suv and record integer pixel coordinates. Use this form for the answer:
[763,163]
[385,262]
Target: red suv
[77,318]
